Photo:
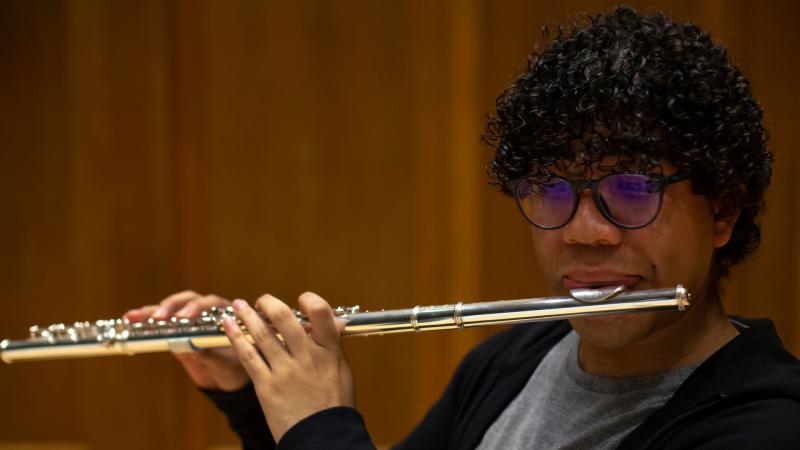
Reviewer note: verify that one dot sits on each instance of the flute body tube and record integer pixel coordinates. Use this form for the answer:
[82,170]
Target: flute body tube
[120,337]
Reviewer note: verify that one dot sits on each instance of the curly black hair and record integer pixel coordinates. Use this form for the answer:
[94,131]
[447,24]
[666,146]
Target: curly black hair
[638,89]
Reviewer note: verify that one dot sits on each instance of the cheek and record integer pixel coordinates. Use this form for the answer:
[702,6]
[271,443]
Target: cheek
[539,246]
[682,240]
[546,248]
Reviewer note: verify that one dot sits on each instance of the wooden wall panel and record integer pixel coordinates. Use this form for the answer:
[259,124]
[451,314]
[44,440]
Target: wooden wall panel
[247,147]
[35,228]
[766,286]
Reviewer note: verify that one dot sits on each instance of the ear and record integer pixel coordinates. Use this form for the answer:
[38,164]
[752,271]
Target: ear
[724,220]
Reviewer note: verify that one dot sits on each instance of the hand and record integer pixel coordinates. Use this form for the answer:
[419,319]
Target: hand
[300,376]
[214,369]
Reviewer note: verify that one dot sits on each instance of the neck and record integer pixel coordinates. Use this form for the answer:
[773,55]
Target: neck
[692,338]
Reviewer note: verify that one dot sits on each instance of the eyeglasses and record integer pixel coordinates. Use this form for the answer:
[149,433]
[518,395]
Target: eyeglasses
[628,200]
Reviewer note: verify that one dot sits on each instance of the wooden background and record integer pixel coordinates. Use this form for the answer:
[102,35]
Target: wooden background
[241,147]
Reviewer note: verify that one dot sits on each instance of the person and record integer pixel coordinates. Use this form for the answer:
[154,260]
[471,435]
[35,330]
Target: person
[636,151]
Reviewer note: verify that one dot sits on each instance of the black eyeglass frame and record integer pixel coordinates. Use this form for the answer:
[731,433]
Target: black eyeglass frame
[661,181]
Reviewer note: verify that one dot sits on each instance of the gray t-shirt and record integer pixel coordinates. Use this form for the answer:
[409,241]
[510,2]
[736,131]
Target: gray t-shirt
[563,407]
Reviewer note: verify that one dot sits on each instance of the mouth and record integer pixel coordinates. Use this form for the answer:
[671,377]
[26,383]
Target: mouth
[570,282]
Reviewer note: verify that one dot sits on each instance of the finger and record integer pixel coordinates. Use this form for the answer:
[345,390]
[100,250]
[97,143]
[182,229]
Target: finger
[170,305]
[139,314]
[263,336]
[324,330]
[194,307]
[285,322]
[252,362]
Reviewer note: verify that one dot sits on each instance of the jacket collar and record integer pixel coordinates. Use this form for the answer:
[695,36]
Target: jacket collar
[753,365]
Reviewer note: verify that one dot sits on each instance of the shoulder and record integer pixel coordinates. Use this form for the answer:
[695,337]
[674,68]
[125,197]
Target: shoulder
[757,384]
[772,423]
[754,366]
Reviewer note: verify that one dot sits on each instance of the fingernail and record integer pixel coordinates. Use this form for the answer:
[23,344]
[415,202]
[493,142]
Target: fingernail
[228,323]
[239,305]
[161,312]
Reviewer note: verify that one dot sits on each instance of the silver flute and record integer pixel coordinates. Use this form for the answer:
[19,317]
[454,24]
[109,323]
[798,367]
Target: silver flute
[120,337]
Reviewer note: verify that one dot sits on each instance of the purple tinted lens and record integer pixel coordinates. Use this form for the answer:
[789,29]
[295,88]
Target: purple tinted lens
[630,199]
[546,203]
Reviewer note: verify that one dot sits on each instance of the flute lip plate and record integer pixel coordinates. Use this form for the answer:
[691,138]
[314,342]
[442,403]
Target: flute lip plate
[588,295]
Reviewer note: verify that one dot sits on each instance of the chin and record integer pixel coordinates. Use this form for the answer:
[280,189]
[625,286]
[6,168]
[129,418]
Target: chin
[615,331]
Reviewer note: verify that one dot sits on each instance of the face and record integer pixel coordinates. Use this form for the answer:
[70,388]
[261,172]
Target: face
[676,248]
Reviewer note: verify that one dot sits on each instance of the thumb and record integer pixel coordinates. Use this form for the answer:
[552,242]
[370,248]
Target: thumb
[214,369]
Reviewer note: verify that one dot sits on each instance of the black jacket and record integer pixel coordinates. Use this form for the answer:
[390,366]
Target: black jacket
[746,395]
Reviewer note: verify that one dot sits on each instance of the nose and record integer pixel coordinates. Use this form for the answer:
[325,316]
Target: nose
[589,226]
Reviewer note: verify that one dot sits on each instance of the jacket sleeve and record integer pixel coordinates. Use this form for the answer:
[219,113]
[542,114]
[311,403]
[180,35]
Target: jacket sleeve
[333,428]
[337,428]
[768,423]
[245,416]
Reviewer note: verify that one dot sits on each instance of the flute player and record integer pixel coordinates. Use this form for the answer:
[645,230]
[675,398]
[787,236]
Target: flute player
[634,148]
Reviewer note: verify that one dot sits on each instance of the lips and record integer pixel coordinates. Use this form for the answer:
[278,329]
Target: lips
[594,281]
